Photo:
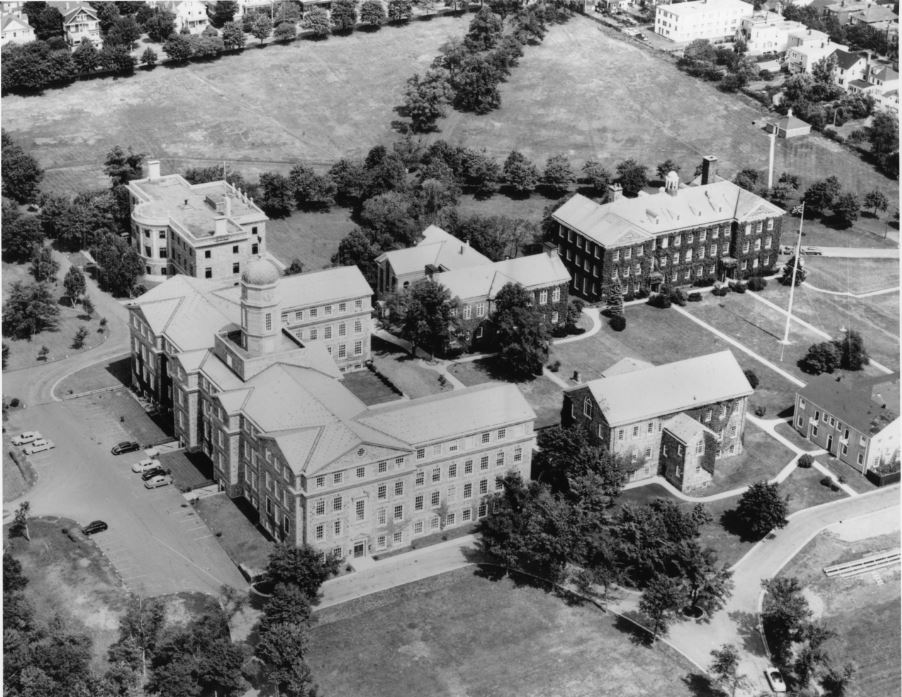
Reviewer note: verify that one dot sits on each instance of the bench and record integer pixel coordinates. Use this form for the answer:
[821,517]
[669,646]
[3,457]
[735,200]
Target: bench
[868,563]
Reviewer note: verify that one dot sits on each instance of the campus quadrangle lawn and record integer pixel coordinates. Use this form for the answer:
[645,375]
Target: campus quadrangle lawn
[459,634]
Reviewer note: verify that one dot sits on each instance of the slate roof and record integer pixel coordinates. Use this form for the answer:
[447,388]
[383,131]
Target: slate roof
[626,365]
[532,272]
[437,248]
[634,220]
[856,401]
[847,59]
[8,19]
[669,388]
[70,15]
[314,288]
[685,429]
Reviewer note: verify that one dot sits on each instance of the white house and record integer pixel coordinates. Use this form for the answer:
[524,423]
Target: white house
[767,32]
[15,30]
[701,19]
[808,47]
[80,23]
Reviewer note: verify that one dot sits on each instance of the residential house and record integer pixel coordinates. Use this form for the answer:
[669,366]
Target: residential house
[860,12]
[807,48]
[849,66]
[81,22]
[15,29]
[318,465]
[882,84]
[675,237]
[716,20]
[855,419]
[208,230]
[767,32]
[189,14]
[675,420]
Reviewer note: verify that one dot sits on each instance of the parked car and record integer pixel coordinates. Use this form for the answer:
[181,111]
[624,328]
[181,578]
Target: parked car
[39,446]
[94,526]
[813,251]
[157,481]
[151,473]
[126,446]
[148,463]
[27,437]
[785,249]
[775,679]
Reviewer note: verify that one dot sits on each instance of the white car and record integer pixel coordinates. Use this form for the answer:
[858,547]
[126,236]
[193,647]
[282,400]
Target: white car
[159,480]
[775,679]
[27,437]
[147,463]
[39,446]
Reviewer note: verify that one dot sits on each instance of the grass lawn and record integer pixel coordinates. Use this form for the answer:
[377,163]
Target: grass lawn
[70,578]
[852,275]
[23,353]
[368,387]
[543,395]
[260,110]
[189,470]
[762,458]
[863,610]
[598,112]
[876,317]
[865,232]
[853,477]
[805,490]
[788,432]
[114,373]
[403,372]
[311,237]
[460,634]
[241,539]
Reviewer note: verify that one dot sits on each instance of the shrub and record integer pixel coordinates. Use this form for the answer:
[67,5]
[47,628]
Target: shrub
[618,323]
[757,283]
[704,282]
[760,411]
[555,366]
[559,331]
[14,402]
[659,300]
[821,358]
[826,481]
[805,461]
[694,297]
[678,296]
[630,295]
[739,287]
[751,377]
[642,293]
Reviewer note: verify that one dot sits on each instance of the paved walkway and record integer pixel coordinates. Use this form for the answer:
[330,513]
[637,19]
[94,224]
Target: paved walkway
[860,252]
[857,296]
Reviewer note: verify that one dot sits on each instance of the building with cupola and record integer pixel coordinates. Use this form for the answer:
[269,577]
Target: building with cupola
[680,235]
[247,385]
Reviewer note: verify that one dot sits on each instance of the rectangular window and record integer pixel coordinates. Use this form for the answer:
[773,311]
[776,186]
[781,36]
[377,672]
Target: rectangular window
[320,482]
[337,527]
[483,486]
[543,297]
[635,431]
[518,454]
[468,467]
[480,309]
[466,514]
[486,437]
[399,488]
[483,510]
[399,512]
[556,295]
[380,516]
[382,491]
[421,477]
[436,474]
[399,460]
[468,491]
[421,453]
[208,273]
[361,472]
[499,460]
[452,471]
[313,311]
[450,519]
[434,523]
[434,499]
[320,531]
[328,309]
[484,462]
[336,503]
[336,478]
[320,507]
[360,509]
[418,503]
[382,466]
[342,329]
[327,331]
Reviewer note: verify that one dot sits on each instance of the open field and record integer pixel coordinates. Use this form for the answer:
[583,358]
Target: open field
[864,232]
[563,99]
[461,634]
[542,394]
[314,101]
[852,275]
[23,353]
[863,610]
[312,237]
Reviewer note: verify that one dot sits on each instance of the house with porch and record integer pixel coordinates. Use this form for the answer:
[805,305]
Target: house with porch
[81,22]
[676,420]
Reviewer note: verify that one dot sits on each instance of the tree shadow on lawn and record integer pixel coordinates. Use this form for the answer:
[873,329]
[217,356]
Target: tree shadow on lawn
[733,524]
[747,624]
[630,623]
[699,685]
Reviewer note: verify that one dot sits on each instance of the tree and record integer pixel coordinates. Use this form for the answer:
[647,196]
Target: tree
[289,604]
[785,614]
[845,209]
[821,195]
[358,249]
[19,525]
[21,237]
[496,236]
[883,133]
[519,173]
[475,85]
[344,16]
[21,172]
[480,172]
[558,175]
[85,57]
[87,306]
[667,166]
[302,567]
[29,310]
[725,668]
[233,37]
[121,166]
[811,655]
[428,316]
[659,603]
[615,300]
[821,358]
[223,12]
[310,190]
[275,194]
[751,377]
[160,25]
[484,32]
[43,266]
[74,283]
[261,27]
[177,48]
[294,268]
[567,456]
[400,11]
[115,58]
[801,273]
[426,100]
[119,264]
[596,176]
[285,31]
[5,355]
[389,216]
[708,585]
[761,509]
[282,648]
[140,629]
[372,13]
[632,177]
[316,21]
[852,353]
[837,681]
[149,58]
[125,32]
[520,332]
[350,179]
[876,200]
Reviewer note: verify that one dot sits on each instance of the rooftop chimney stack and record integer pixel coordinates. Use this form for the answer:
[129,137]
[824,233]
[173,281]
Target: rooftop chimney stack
[228,206]
[550,248]
[709,169]
[615,192]
[221,225]
[153,169]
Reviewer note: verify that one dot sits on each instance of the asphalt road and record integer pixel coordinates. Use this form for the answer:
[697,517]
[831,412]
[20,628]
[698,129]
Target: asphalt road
[858,252]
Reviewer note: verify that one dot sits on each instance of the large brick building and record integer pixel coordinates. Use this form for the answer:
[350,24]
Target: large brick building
[282,431]
[675,237]
[209,230]
[675,420]
[855,419]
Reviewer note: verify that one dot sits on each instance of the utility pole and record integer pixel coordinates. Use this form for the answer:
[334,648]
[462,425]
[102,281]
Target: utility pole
[795,267]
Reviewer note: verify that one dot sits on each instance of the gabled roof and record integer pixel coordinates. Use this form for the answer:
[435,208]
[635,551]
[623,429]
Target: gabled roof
[437,248]
[685,429]
[790,123]
[449,414]
[9,21]
[532,272]
[626,365]
[847,59]
[866,404]
[886,73]
[83,7]
[669,388]
[632,220]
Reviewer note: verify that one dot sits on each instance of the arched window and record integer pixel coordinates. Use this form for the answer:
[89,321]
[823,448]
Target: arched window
[587,407]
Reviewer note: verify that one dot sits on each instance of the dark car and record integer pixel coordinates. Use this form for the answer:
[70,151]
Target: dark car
[94,526]
[126,446]
[149,474]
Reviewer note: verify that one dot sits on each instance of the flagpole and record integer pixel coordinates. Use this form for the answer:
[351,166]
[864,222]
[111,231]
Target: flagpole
[792,286]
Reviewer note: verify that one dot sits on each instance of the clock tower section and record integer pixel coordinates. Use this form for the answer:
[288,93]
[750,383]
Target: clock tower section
[261,322]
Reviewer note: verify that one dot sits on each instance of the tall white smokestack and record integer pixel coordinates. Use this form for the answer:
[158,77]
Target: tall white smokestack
[770,165]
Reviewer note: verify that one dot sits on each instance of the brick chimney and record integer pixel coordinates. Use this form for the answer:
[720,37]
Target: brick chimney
[550,248]
[709,169]
[615,192]
[153,169]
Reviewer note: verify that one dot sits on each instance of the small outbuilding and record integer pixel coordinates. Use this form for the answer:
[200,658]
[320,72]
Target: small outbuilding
[789,126]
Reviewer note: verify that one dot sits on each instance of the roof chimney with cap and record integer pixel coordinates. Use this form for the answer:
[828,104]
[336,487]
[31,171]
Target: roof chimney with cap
[709,169]
[550,248]
[228,205]
[153,170]
[220,225]
[615,192]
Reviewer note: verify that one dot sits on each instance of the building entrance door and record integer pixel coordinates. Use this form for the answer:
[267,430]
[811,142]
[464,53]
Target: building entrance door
[830,444]
[359,549]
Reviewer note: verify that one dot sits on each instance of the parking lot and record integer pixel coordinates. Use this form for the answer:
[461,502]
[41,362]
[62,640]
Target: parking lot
[155,540]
